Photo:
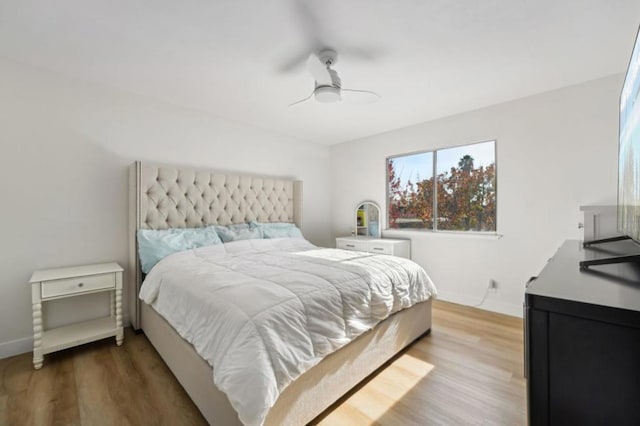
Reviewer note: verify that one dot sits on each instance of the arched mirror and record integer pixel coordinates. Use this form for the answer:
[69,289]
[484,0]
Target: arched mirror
[368,220]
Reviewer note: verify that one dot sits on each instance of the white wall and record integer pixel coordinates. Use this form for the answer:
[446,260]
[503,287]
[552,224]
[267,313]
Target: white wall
[65,150]
[556,151]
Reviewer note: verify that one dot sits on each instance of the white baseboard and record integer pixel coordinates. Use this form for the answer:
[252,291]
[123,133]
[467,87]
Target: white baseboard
[515,310]
[512,309]
[25,344]
[16,347]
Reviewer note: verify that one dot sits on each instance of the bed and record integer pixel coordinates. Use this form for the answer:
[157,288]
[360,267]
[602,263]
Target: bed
[162,197]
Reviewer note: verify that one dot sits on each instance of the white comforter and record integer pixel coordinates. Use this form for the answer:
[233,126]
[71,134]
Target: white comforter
[262,312]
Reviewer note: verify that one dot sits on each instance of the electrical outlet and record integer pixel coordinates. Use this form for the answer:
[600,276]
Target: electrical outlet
[493,285]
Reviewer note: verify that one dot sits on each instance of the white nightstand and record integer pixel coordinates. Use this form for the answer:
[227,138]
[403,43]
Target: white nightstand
[400,248]
[59,283]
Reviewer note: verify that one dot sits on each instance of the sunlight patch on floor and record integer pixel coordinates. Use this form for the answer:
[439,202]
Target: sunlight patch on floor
[391,385]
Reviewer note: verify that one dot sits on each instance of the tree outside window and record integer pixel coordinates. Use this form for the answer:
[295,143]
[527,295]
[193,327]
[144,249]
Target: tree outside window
[463,197]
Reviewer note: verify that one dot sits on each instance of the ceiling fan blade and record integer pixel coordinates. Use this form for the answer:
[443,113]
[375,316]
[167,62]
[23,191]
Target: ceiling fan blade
[355,96]
[302,100]
[310,24]
[362,54]
[293,63]
[310,35]
[319,71]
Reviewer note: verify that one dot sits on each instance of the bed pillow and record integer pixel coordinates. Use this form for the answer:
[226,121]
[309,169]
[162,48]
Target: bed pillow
[156,244]
[241,231]
[278,229]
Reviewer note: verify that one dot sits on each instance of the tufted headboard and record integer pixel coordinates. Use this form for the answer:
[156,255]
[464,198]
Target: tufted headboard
[163,196]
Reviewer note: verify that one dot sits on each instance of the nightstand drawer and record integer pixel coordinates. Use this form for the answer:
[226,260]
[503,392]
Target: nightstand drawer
[77,285]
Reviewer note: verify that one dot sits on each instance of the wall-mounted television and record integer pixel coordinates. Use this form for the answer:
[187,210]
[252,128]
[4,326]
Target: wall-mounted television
[628,164]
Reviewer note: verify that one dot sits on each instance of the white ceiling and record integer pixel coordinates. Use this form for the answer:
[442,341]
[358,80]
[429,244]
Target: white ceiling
[427,59]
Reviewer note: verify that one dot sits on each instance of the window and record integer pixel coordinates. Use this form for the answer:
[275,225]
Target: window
[464,197]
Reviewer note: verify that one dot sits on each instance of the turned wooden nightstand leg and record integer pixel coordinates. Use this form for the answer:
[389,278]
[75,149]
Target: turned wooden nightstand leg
[119,331]
[112,304]
[38,358]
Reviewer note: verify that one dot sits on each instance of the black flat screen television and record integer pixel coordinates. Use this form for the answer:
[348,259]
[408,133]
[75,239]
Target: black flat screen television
[628,163]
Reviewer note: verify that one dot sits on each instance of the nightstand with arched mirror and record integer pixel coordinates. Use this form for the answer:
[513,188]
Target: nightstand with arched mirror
[367,234]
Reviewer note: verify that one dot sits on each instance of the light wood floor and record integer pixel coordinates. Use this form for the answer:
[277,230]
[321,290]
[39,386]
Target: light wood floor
[468,371]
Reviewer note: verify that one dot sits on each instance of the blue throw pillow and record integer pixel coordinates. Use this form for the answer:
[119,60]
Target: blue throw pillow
[238,232]
[278,229]
[156,244]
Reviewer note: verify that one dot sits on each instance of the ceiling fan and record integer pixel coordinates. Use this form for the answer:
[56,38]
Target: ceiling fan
[328,86]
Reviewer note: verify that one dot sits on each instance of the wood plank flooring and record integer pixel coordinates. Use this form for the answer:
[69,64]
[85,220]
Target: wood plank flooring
[468,371]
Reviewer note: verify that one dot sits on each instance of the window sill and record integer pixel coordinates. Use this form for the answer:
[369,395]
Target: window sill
[442,234]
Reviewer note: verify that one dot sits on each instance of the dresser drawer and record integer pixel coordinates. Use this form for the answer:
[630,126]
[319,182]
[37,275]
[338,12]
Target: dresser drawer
[77,285]
[352,245]
[380,248]
[388,246]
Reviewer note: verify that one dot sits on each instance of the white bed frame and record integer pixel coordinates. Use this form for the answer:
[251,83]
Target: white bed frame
[162,197]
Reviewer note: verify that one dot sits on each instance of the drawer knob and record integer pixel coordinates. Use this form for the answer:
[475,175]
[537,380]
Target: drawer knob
[350,245]
[378,248]
[80,284]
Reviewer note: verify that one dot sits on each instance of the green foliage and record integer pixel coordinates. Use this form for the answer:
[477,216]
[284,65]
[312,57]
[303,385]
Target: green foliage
[466,199]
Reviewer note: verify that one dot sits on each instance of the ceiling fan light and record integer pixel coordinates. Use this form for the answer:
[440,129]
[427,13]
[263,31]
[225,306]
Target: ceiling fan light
[327,94]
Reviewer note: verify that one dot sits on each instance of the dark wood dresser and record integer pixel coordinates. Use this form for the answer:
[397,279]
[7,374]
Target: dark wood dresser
[582,339]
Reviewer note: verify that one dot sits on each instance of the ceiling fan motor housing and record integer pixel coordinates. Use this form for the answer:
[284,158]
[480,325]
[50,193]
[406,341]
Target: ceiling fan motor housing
[327,94]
